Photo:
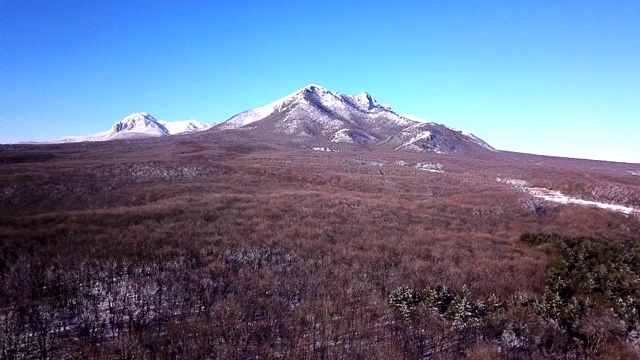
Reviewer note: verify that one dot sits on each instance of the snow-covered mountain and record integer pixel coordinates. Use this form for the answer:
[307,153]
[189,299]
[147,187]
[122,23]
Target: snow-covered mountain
[139,125]
[313,116]
[315,108]
[316,115]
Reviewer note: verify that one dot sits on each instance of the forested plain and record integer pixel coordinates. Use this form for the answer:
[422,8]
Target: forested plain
[241,247]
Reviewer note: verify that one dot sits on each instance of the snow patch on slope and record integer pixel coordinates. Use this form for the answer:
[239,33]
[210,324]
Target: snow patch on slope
[415,138]
[423,135]
[352,137]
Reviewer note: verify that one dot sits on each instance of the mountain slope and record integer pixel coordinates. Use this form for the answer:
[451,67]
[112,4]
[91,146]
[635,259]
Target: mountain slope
[436,138]
[139,125]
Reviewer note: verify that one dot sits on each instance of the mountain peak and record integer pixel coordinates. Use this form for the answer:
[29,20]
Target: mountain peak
[139,115]
[366,101]
[139,122]
[313,88]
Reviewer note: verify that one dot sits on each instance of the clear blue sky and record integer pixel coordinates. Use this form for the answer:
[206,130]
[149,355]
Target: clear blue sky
[548,77]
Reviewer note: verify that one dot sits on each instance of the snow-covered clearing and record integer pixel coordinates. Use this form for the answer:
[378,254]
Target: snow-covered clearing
[322,149]
[437,167]
[556,196]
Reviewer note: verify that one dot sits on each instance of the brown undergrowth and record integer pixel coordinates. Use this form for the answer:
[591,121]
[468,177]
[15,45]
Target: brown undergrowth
[201,247]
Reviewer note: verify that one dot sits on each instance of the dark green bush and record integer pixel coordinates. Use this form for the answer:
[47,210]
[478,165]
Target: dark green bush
[592,296]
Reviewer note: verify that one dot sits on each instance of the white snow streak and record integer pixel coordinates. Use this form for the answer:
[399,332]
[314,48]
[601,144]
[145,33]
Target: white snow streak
[556,196]
[419,136]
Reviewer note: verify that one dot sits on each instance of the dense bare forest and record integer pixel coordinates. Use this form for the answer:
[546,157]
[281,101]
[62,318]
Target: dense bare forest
[206,246]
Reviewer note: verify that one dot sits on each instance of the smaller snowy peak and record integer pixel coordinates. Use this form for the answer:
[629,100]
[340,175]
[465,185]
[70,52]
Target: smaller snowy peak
[140,123]
[183,126]
[140,117]
[365,102]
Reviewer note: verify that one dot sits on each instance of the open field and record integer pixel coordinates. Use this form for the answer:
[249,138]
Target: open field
[224,246]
